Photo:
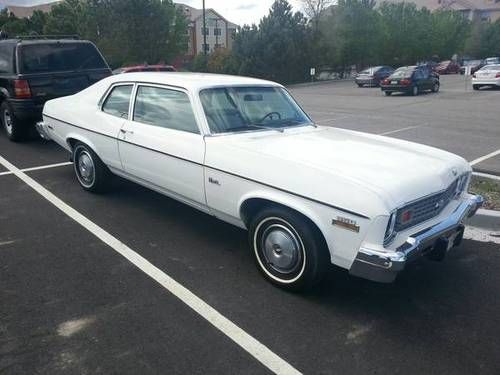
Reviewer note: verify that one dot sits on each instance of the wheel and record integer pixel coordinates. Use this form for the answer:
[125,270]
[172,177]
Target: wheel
[13,127]
[414,90]
[476,87]
[435,88]
[360,85]
[387,93]
[289,251]
[91,172]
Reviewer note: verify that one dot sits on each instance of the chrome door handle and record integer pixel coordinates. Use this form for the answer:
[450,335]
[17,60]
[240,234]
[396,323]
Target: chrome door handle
[124,131]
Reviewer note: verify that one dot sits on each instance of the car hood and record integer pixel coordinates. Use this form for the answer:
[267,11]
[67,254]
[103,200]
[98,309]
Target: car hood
[313,162]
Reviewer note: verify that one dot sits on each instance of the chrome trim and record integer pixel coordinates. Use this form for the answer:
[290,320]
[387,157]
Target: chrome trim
[41,128]
[383,266]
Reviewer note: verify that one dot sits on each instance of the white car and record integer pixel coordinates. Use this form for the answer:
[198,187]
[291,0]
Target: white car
[242,150]
[488,75]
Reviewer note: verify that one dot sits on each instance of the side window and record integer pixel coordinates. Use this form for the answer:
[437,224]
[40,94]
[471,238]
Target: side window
[418,74]
[6,58]
[118,101]
[164,108]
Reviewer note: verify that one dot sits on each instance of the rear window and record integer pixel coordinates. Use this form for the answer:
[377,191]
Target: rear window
[403,73]
[43,58]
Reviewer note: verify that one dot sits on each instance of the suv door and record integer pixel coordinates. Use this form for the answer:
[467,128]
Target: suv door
[162,144]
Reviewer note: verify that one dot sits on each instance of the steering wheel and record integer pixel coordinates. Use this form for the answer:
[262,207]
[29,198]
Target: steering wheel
[269,115]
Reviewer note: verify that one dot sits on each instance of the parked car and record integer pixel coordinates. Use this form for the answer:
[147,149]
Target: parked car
[488,75]
[474,65]
[447,67]
[411,80]
[33,71]
[145,68]
[492,61]
[431,65]
[242,150]
[372,76]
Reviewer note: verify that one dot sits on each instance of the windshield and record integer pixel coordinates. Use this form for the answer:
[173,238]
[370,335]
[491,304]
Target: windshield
[402,73]
[232,109]
[54,57]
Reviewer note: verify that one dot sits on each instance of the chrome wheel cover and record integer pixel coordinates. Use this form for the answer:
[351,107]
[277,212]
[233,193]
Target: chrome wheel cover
[281,249]
[7,121]
[85,169]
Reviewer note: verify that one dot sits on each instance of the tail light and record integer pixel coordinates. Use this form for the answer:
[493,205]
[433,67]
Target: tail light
[385,81]
[22,89]
[498,75]
[405,82]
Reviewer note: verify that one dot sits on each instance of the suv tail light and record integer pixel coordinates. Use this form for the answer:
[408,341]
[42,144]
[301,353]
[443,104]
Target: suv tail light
[22,89]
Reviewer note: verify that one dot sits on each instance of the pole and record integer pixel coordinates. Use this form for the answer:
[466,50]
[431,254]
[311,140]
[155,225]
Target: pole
[204,30]
[217,35]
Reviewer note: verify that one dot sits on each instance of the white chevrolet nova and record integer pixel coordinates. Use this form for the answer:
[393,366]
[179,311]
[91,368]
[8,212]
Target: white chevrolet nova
[242,150]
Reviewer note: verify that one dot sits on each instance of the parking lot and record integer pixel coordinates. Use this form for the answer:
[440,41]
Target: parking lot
[132,282]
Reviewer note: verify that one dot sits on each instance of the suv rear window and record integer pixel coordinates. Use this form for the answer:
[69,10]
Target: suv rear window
[55,57]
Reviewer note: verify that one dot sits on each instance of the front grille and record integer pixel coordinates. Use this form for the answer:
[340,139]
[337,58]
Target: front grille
[425,208]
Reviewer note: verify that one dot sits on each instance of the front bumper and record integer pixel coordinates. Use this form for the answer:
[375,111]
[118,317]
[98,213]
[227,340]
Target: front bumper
[383,266]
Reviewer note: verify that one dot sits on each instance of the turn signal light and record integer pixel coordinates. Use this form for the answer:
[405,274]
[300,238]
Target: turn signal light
[406,216]
[22,89]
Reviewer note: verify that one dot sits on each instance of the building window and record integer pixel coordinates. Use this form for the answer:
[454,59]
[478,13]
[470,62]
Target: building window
[205,31]
[217,31]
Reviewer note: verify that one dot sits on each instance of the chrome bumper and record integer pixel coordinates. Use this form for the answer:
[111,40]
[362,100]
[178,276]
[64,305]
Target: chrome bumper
[42,129]
[384,266]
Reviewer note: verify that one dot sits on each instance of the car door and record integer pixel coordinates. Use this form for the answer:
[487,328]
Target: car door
[418,76]
[162,145]
[111,116]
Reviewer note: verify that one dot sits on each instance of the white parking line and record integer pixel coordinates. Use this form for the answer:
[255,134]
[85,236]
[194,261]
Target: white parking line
[401,130]
[255,348]
[38,168]
[486,175]
[485,157]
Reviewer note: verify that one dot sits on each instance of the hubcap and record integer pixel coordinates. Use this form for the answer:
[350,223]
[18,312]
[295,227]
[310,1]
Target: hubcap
[86,170]
[281,249]
[7,120]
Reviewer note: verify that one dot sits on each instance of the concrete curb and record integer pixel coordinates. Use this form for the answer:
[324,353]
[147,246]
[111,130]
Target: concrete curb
[486,219]
[319,83]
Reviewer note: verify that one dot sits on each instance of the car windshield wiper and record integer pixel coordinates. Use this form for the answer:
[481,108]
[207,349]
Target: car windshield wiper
[237,128]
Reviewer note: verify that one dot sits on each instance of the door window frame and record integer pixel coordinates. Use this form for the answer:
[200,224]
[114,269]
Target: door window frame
[109,91]
[135,91]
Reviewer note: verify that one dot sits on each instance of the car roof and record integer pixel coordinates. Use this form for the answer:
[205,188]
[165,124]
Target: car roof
[190,81]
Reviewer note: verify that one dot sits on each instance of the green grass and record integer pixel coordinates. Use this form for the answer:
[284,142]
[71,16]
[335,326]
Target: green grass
[489,189]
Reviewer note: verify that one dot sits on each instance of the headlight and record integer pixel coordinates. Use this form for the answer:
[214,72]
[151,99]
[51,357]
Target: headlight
[389,232]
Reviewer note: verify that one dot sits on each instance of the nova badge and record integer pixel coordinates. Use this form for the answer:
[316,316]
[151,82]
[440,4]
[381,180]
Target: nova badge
[213,181]
[346,223]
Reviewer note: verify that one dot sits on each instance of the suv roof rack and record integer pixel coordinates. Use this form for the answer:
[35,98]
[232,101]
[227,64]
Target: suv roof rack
[35,37]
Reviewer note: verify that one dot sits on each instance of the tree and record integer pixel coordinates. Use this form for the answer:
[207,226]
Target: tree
[314,9]
[278,49]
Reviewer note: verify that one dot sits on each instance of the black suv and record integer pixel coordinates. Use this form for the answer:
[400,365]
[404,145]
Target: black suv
[33,71]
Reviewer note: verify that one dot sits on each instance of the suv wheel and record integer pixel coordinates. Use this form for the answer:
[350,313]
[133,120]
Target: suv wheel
[435,88]
[288,250]
[12,125]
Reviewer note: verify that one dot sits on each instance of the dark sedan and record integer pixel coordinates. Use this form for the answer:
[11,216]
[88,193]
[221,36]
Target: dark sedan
[372,76]
[474,65]
[410,80]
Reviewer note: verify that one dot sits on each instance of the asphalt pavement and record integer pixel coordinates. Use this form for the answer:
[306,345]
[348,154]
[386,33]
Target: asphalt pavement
[71,304]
